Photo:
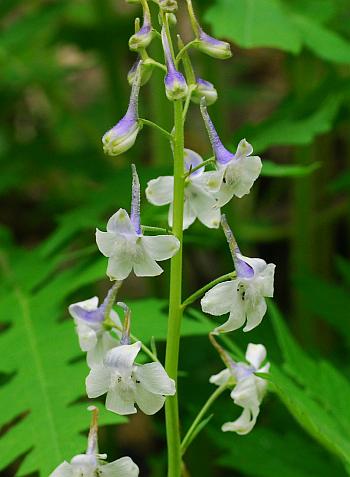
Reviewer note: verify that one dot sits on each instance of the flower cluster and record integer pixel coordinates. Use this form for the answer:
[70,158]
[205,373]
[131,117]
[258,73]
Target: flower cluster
[199,189]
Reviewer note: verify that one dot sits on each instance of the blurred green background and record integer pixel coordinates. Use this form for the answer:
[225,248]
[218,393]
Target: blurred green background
[63,67]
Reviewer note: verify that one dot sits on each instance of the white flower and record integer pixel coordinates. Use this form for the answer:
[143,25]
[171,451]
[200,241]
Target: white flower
[242,297]
[93,337]
[201,189]
[127,248]
[238,171]
[85,465]
[127,383]
[249,389]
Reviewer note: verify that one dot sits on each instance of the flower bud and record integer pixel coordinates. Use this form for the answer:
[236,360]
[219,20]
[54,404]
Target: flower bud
[175,83]
[168,6]
[123,135]
[142,38]
[204,89]
[213,47]
[146,72]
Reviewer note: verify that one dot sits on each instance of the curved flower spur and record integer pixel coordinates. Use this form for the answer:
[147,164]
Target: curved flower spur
[239,171]
[248,389]
[92,463]
[127,382]
[243,297]
[127,248]
[201,188]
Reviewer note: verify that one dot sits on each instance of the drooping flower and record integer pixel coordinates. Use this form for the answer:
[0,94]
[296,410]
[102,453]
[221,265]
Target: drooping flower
[142,38]
[127,248]
[206,43]
[244,297]
[88,316]
[239,171]
[204,89]
[127,383]
[175,83]
[249,389]
[92,463]
[200,193]
[122,136]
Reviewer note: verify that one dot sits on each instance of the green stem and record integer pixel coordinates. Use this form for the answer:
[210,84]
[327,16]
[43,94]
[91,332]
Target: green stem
[189,435]
[183,51]
[208,286]
[175,308]
[154,230]
[147,122]
[151,61]
[211,160]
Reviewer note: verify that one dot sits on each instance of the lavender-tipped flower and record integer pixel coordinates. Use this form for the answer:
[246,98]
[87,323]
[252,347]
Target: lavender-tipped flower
[146,72]
[122,136]
[142,38]
[204,89]
[175,83]
[206,43]
[168,6]
[238,171]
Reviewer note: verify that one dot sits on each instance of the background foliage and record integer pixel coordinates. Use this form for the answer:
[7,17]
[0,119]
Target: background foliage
[287,90]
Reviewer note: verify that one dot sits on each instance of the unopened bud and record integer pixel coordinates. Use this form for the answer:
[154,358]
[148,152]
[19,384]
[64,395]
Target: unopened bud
[175,83]
[204,89]
[146,72]
[143,37]
[123,135]
[212,46]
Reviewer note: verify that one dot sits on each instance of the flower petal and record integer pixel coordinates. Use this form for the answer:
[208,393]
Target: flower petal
[218,300]
[242,173]
[256,354]
[237,315]
[120,223]
[161,247]
[87,336]
[120,402]
[160,191]
[63,470]
[122,358]
[95,355]
[189,216]
[204,206]
[148,402]
[221,378]
[106,242]
[155,379]
[88,305]
[144,265]
[245,393]
[124,467]
[244,424]
[120,263]
[255,311]
[98,381]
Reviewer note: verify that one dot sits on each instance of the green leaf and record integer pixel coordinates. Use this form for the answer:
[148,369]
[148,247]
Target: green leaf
[40,397]
[316,394]
[275,453]
[254,23]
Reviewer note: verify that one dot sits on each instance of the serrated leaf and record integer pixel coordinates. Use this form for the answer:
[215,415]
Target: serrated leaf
[316,393]
[36,352]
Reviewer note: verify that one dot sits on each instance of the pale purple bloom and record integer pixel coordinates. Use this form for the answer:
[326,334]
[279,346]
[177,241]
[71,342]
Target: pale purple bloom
[213,47]
[122,136]
[238,171]
[127,383]
[126,246]
[248,391]
[93,336]
[201,188]
[175,83]
[243,297]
